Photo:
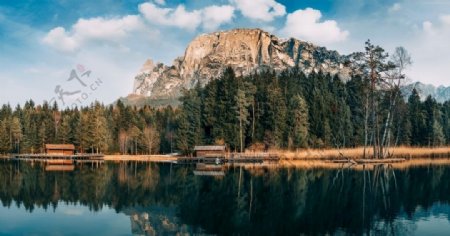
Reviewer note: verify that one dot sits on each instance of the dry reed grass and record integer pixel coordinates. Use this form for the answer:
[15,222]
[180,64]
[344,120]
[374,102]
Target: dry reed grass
[146,158]
[357,153]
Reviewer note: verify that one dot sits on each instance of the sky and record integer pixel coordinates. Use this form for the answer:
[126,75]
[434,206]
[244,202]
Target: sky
[78,51]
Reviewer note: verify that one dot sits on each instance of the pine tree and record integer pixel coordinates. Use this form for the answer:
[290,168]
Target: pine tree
[446,120]
[16,134]
[430,109]
[438,134]
[5,141]
[98,127]
[416,118]
[182,135]
[298,116]
[277,115]
[64,130]
[242,114]
[190,127]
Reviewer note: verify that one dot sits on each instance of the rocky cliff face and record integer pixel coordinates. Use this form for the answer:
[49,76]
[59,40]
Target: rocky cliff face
[245,50]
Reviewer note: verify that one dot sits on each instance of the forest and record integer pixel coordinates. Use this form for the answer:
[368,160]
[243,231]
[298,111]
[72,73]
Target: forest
[264,110]
[287,111]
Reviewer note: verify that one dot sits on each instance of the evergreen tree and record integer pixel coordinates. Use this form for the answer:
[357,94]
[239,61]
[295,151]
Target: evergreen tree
[5,141]
[298,117]
[64,130]
[446,121]
[438,134]
[242,114]
[98,129]
[416,119]
[16,134]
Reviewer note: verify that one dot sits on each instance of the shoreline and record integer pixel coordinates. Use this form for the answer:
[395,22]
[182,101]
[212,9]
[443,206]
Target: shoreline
[322,158]
[314,154]
[318,158]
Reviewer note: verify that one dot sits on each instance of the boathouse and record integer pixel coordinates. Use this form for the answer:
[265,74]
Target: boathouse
[210,151]
[60,149]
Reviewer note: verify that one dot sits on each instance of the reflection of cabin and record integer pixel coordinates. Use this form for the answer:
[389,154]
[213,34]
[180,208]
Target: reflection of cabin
[210,151]
[60,149]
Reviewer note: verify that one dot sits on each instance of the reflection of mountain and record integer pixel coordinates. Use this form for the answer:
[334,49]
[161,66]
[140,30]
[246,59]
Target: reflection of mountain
[156,220]
[165,199]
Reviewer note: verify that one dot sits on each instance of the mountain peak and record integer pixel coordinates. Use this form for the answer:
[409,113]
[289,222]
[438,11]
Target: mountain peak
[441,93]
[244,50]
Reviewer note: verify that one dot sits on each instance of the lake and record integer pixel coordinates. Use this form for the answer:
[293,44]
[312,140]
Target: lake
[168,199]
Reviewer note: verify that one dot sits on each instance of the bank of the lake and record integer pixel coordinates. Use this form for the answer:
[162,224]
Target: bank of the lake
[323,157]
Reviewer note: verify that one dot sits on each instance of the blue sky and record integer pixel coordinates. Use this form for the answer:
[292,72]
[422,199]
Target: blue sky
[42,41]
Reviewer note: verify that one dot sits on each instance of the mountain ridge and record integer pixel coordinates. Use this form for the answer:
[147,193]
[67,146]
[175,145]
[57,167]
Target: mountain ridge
[244,50]
[440,93]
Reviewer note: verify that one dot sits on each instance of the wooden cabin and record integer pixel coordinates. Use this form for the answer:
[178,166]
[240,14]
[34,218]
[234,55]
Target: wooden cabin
[210,151]
[60,149]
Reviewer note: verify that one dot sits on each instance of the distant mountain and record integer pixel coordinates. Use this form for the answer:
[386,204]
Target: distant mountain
[441,93]
[245,50]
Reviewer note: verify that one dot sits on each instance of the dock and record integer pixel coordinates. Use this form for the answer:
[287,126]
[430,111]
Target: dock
[60,159]
[60,168]
[230,158]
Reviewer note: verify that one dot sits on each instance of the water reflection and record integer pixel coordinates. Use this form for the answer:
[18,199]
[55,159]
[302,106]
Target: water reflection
[170,199]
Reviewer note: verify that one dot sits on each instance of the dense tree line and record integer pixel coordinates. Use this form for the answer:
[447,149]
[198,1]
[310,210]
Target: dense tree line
[97,128]
[293,110]
[288,110]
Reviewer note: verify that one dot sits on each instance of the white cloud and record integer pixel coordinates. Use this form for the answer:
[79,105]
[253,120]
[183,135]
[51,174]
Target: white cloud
[429,49]
[437,30]
[306,25]
[93,29]
[210,18]
[160,2]
[263,10]
[428,27]
[396,7]
[177,17]
[58,38]
[445,19]
[214,16]
[112,29]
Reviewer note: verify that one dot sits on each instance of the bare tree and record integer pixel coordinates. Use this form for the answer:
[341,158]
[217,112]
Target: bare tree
[383,78]
[123,141]
[151,138]
[401,59]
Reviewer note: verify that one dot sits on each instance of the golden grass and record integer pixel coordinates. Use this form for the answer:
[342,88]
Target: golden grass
[320,158]
[357,153]
[401,165]
[146,158]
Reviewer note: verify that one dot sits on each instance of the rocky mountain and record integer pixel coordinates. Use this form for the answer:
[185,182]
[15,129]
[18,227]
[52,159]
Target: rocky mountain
[441,93]
[245,50]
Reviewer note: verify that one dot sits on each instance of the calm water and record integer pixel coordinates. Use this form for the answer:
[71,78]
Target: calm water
[164,199]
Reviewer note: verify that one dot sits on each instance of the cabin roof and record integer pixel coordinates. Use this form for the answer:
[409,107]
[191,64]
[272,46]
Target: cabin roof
[60,146]
[210,148]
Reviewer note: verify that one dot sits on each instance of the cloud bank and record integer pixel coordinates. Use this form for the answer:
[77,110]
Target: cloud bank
[306,25]
[263,10]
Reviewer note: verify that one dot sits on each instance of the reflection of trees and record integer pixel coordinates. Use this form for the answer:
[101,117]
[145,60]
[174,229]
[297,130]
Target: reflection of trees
[30,186]
[257,201]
